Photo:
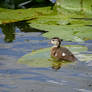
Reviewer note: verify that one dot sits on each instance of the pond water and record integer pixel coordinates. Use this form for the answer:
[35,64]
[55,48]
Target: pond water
[15,77]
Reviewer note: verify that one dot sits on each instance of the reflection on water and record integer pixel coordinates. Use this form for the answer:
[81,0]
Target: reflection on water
[56,65]
[10,29]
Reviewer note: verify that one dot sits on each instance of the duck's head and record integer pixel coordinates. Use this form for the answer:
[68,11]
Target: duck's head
[56,41]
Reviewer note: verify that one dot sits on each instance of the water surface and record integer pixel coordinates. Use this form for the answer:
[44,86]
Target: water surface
[16,77]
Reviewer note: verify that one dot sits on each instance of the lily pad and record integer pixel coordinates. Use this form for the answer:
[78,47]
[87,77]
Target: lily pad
[76,48]
[37,58]
[57,24]
[22,14]
[85,57]
[75,33]
[41,58]
[83,6]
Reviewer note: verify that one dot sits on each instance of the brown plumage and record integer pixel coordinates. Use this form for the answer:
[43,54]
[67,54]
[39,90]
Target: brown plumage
[59,52]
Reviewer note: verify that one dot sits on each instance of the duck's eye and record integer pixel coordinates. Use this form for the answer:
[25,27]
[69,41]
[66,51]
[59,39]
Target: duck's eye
[53,40]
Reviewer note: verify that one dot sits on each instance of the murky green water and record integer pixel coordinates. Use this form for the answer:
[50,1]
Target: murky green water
[15,77]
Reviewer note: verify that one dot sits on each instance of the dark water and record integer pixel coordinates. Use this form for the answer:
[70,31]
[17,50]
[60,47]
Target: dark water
[16,77]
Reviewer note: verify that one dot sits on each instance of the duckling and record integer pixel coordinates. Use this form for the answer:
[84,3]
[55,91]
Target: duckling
[59,52]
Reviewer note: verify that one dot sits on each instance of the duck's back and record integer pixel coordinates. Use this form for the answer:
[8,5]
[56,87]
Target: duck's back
[62,53]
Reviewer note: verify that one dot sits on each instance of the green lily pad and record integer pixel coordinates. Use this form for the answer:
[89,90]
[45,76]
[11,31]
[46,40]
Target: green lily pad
[22,14]
[41,58]
[76,48]
[57,24]
[75,33]
[37,58]
[83,6]
[85,57]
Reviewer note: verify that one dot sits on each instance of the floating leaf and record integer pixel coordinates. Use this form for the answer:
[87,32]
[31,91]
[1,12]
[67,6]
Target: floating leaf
[75,5]
[37,58]
[77,48]
[75,33]
[21,14]
[41,58]
[85,57]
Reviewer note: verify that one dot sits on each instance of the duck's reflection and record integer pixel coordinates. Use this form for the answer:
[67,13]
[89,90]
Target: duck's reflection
[57,64]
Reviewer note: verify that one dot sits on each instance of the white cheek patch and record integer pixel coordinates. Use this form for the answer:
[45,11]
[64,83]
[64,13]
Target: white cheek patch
[54,42]
[63,54]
